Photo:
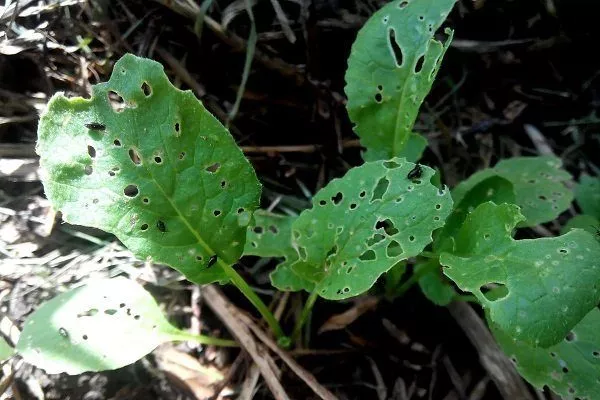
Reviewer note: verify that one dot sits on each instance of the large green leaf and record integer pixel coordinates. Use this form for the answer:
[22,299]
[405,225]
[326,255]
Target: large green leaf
[585,222]
[161,173]
[363,224]
[571,368]
[551,283]
[587,194]
[539,185]
[106,324]
[392,65]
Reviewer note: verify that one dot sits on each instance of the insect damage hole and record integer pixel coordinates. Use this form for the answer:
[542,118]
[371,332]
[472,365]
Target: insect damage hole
[388,227]
[131,190]
[494,291]
[380,189]
[213,168]
[337,198]
[368,255]
[116,101]
[419,64]
[88,169]
[402,4]
[91,151]
[393,249]
[395,48]
[134,156]
[147,89]
[378,97]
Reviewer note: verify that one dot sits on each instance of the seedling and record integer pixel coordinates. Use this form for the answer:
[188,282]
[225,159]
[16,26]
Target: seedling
[164,154]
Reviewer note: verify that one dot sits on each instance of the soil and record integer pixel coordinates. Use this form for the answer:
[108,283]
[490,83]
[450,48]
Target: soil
[513,66]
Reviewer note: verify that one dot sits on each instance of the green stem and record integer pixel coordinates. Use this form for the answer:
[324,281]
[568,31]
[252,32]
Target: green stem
[414,278]
[203,339]
[241,284]
[310,302]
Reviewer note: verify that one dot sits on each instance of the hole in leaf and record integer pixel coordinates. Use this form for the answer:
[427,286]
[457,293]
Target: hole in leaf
[362,194]
[91,151]
[563,251]
[411,238]
[213,168]
[494,291]
[333,251]
[565,370]
[380,189]
[421,18]
[240,210]
[368,255]
[110,311]
[135,156]
[403,4]
[177,129]
[379,87]
[388,227]
[393,249]
[396,50]
[182,155]
[88,169]
[258,230]
[302,252]
[570,337]
[117,103]
[322,202]
[223,184]
[144,227]
[273,229]
[85,337]
[378,97]
[146,200]
[391,164]
[158,160]
[136,317]
[146,89]
[353,206]
[117,142]
[438,206]
[596,354]
[216,213]
[376,238]
[131,190]
[160,225]
[199,258]
[419,64]
[337,198]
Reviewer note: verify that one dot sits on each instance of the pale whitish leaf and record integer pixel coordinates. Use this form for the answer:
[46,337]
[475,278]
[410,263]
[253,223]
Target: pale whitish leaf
[106,324]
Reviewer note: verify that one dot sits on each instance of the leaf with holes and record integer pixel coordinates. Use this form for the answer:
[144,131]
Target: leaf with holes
[570,368]
[495,188]
[391,68]
[587,194]
[157,170]
[106,324]
[6,350]
[539,184]
[363,224]
[270,235]
[551,283]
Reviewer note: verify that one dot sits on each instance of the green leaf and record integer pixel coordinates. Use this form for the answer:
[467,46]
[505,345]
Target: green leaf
[286,279]
[393,278]
[585,222]
[6,350]
[270,235]
[587,194]
[363,224]
[106,324]
[435,287]
[551,283]
[414,148]
[539,185]
[162,174]
[494,188]
[570,368]
[392,65]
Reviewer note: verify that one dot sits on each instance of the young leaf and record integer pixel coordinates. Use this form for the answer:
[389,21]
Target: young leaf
[570,368]
[6,350]
[436,287]
[587,194]
[160,172]
[106,324]
[391,68]
[270,235]
[551,283]
[539,184]
[363,224]
[494,188]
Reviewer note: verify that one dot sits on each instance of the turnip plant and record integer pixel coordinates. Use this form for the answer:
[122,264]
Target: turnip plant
[146,162]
